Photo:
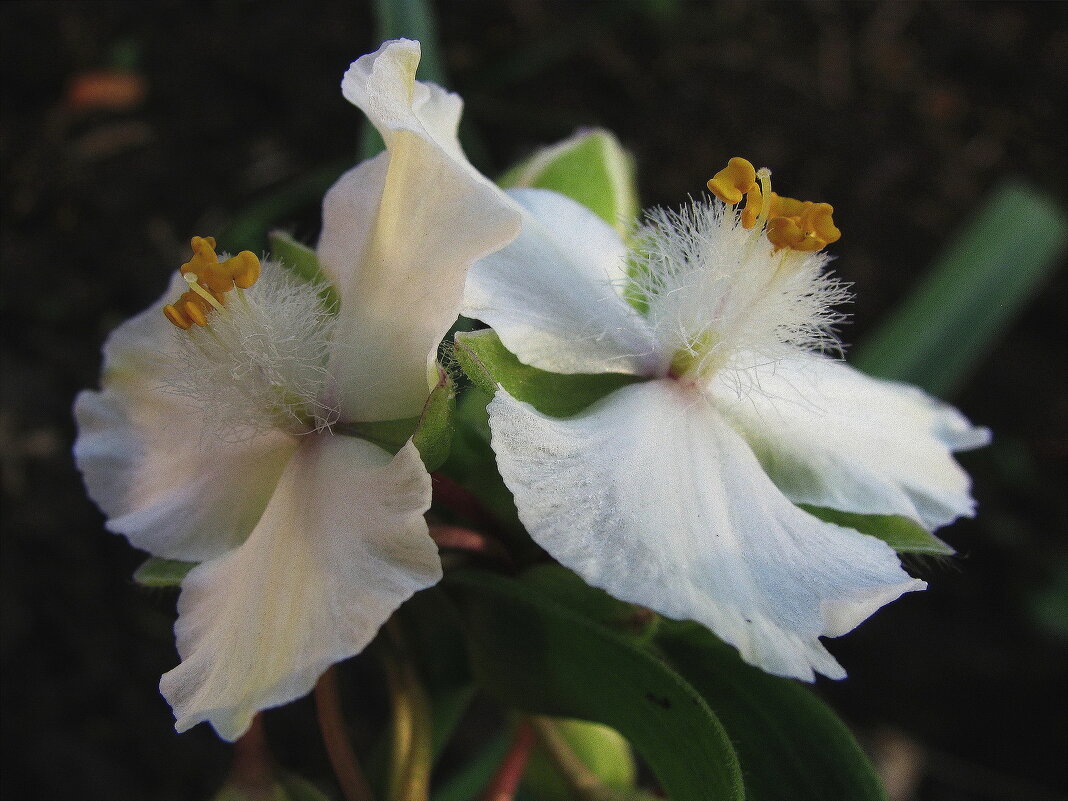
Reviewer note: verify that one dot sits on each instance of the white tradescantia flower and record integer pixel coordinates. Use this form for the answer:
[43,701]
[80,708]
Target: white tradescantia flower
[211,441]
[679,492]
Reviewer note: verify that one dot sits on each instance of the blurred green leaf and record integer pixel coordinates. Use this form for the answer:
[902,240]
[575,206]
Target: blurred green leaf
[487,363]
[156,572]
[790,744]
[541,657]
[900,533]
[248,229]
[956,313]
[302,260]
[406,19]
[469,781]
[287,787]
[592,168]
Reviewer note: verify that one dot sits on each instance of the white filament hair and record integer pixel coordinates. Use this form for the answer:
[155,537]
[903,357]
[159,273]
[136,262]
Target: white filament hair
[717,290]
[261,364]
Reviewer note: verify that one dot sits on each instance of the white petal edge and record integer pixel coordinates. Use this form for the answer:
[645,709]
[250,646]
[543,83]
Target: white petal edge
[830,436]
[399,233]
[554,296]
[650,495]
[341,545]
[148,459]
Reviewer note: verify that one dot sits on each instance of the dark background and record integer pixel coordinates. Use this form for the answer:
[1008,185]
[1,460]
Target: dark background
[903,115]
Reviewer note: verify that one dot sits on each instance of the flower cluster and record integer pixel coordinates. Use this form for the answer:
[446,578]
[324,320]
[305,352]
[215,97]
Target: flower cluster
[218,436]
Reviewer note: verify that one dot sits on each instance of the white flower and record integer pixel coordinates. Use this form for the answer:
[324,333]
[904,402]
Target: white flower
[212,443]
[678,492]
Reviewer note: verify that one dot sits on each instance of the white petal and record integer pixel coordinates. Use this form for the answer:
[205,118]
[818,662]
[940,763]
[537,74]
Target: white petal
[554,295]
[829,435]
[399,233]
[341,545]
[650,495]
[148,462]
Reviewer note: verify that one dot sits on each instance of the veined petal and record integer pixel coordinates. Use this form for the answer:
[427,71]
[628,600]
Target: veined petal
[341,545]
[828,435]
[149,463]
[652,496]
[399,233]
[554,296]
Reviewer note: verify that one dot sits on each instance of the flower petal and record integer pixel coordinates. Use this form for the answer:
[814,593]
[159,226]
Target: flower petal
[829,435]
[399,233]
[554,295]
[149,463]
[650,495]
[341,545]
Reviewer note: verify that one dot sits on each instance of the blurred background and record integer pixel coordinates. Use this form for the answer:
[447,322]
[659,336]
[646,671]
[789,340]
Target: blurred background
[127,127]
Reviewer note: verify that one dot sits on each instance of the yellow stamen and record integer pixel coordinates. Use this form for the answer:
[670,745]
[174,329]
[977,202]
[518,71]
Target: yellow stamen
[792,224]
[209,280]
[733,181]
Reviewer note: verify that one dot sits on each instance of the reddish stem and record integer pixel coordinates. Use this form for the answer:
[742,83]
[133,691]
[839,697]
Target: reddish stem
[463,502]
[350,777]
[505,782]
[252,770]
[464,539]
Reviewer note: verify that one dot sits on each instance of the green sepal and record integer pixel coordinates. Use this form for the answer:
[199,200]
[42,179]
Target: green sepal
[791,744]
[566,665]
[156,572]
[488,363]
[902,534]
[431,432]
[592,168]
[303,262]
[603,750]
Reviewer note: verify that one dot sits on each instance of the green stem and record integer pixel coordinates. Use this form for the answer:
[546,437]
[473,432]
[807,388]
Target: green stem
[505,781]
[412,746]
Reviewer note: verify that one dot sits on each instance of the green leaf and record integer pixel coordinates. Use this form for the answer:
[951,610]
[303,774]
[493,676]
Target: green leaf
[568,589]
[539,656]
[791,745]
[303,262]
[470,779]
[431,432]
[956,313]
[156,572]
[902,534]
[286,787]
[487,363]
[591,167]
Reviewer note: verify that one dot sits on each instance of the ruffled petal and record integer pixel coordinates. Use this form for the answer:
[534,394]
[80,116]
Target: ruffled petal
[554,295]
[149,461]
[652,496]
[828,435]
[341,545]
[399,233]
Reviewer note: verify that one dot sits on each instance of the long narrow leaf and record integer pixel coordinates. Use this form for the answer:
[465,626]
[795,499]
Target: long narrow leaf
[945,327]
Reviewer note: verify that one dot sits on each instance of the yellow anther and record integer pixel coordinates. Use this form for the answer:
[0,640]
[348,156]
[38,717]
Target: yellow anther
[171,313]
[244,268]
[733,181]
[209,281]
[789,223]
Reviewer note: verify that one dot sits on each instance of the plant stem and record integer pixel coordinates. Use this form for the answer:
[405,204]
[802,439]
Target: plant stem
[347,770]
[505,782]
[252,771]
[412,747]
[465,539]
[464,503]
